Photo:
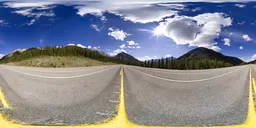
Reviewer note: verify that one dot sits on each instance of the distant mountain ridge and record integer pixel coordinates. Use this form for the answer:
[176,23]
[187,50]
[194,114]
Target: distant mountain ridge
[125,56]
[23,54]
[204,53]
[200,54]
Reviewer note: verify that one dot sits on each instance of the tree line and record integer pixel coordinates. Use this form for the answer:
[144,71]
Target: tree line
[64,51]
[185,64]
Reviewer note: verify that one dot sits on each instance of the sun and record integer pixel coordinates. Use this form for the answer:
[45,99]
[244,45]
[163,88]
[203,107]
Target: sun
[158,31]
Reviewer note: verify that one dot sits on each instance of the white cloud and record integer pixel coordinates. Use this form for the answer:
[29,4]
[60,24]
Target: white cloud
[96,27]
[27,4]
[27,8]
[226,41]
[118,34]
[123,46]
[81,46]
[168,55]
[241,47]
[145,13]
[247,38]
[115,52]
[89,47]
[132,44]
[240,5]
[135,11]
[146,58]
[84,10]
[31,22]
[1,56]
[138,11]
[215,48]
[253,57]
[71,44]
[200,30]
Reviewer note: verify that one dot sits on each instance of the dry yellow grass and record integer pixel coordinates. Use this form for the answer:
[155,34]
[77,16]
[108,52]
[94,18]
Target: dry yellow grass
[59,61]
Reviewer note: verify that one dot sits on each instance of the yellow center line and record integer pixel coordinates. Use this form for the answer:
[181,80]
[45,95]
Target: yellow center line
[251,117]
[3,100]
[121,120]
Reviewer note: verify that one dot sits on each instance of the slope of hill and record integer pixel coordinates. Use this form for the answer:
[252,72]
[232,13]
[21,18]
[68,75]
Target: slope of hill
[252,62]
[34,55]
[208,54]
[125,56]
[59,62]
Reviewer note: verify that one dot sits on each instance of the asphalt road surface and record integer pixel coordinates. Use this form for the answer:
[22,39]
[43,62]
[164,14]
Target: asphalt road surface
[61,96]
[64,96]
[186,98]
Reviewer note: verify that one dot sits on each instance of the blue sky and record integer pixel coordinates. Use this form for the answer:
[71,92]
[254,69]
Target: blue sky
[144,29]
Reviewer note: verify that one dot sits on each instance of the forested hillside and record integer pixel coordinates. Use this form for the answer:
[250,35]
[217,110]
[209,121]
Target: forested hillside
[64,51]
[166,63]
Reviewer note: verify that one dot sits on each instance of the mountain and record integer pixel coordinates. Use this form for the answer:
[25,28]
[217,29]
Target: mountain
[125,56]
[67,51]
[127,59]
[252,62]
[208,54]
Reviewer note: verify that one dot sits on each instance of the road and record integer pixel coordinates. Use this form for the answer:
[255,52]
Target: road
[155,97]
[61,96]
[186,98]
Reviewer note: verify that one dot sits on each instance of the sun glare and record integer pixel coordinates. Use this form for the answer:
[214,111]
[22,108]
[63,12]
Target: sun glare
[158,31]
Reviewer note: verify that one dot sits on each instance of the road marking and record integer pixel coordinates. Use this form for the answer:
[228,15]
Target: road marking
[68,77]
[121,120]
[185,81]
[182,71]
[3,100]
[45,71]
[251,116]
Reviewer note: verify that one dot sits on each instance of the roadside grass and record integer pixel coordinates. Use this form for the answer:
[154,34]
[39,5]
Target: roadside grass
[59,62]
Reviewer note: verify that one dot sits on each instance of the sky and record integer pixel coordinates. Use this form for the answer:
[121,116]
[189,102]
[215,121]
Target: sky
[146,29]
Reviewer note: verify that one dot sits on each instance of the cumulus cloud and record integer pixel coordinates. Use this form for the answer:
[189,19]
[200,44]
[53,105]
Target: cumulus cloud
[118,34]
[200,30]
[115,52]
[81,46]
[253,57]
[1,56]
[96,27]
[84,10]
[146,58]
[247,38]
[240,5]
[71,44]
[123,46]
[226,41]
[241,47]
[168,55]
[145,14]
[132,44]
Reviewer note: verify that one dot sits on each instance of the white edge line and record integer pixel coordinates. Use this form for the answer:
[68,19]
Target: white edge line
[188,81]
[59,77]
